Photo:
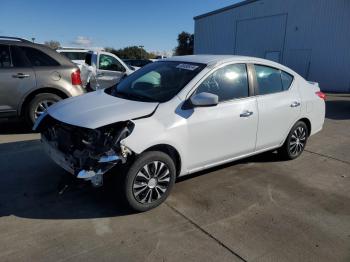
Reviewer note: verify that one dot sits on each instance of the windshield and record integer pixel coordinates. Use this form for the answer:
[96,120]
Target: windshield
[157,82]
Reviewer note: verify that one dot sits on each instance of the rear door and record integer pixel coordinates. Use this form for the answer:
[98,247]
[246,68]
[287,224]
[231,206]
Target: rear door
[109,71]
[278,104]
[16,77]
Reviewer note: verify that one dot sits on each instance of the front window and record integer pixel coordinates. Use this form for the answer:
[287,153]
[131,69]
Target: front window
[157,82]
[228,83]
[107,62]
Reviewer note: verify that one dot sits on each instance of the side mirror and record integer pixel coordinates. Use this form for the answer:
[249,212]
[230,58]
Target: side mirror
[204,99]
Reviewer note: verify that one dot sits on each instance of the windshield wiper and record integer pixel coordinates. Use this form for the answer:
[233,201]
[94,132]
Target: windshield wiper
[134,96]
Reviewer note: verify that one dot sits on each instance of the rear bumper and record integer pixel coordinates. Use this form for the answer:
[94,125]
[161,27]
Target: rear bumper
[77,90]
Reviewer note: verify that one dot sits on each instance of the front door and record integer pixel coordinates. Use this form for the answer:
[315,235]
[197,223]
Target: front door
[227,130]
[109,71]
[16,76]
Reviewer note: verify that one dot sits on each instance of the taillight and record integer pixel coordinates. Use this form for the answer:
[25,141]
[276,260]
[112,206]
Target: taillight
[321,95]
[76,80]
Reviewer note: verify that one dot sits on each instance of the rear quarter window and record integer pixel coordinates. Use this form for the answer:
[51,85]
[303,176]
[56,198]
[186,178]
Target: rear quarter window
[287,80]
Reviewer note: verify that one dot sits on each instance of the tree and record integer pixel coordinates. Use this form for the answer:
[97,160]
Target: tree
[53,44]
[185,44]
[130,52]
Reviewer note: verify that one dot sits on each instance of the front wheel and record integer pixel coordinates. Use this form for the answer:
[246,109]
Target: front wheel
[295,143]
[149,180]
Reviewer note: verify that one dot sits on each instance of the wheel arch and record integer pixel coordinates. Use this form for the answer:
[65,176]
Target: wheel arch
[32,94]
[307,123]
[304,120]
[170,151]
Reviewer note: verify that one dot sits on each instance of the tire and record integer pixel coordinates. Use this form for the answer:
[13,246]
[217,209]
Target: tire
[296,141]
[39,104]
[146,190]
[88,87]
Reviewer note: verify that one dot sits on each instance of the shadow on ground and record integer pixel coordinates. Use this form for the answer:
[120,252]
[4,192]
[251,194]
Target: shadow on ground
[10,127]
[30,184]
[338,109]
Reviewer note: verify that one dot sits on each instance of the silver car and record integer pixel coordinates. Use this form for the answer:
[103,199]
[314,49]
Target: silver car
[33,77]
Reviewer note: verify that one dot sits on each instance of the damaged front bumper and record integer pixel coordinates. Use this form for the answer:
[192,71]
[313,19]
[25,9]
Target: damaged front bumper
[94,175]
[58,157]
[86,154]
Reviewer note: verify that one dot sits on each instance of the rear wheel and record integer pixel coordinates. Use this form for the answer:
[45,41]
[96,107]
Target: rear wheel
[39,104]
[295,143]
[149,180]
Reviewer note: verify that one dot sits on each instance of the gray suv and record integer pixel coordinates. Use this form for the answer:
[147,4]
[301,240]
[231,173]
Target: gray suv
[33,77]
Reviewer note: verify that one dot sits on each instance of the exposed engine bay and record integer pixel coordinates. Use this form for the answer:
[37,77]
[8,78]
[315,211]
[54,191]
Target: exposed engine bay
[86,153]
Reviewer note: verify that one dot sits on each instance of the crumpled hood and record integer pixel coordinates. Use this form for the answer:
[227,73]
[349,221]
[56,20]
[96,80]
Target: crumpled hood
[98,109]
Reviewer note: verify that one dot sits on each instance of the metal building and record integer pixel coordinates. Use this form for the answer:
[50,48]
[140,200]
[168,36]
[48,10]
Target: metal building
[310,36]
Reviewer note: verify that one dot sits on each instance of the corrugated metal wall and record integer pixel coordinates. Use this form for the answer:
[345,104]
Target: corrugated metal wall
[316,36]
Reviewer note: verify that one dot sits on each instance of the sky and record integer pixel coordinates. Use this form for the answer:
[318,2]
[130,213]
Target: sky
[154,24]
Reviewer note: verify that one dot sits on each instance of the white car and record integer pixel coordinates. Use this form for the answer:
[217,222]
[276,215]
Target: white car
[103,69]
[178,116]
[76,55]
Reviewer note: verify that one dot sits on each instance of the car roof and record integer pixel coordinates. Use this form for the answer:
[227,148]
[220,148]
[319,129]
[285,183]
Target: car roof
[64,50]
[206,59]
[62,60]
[213,60]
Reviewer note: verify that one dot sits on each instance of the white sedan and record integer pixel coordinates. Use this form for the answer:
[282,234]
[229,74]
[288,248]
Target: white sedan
[178,116]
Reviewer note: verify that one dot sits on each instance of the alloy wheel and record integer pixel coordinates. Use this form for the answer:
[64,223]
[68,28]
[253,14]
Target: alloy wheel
[151,182]
[297,141]
[42,107]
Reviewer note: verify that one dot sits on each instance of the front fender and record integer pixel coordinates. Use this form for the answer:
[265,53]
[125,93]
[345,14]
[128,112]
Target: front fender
[149,132]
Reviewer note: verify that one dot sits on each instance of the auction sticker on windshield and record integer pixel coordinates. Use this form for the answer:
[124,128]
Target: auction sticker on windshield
[187,67]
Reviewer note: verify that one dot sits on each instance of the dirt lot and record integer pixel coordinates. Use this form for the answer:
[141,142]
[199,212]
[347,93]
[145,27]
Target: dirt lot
[259,209]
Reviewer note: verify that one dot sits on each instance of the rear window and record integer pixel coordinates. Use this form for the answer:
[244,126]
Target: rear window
[39,58]
[88,58]
[74,55]
[272,80]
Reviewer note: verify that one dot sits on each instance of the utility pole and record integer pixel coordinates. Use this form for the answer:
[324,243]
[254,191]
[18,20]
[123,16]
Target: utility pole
[141,47]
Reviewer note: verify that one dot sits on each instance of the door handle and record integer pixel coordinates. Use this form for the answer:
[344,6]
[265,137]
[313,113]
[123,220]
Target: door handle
[20,75]
[100,74]
[295,104]
[246,113]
